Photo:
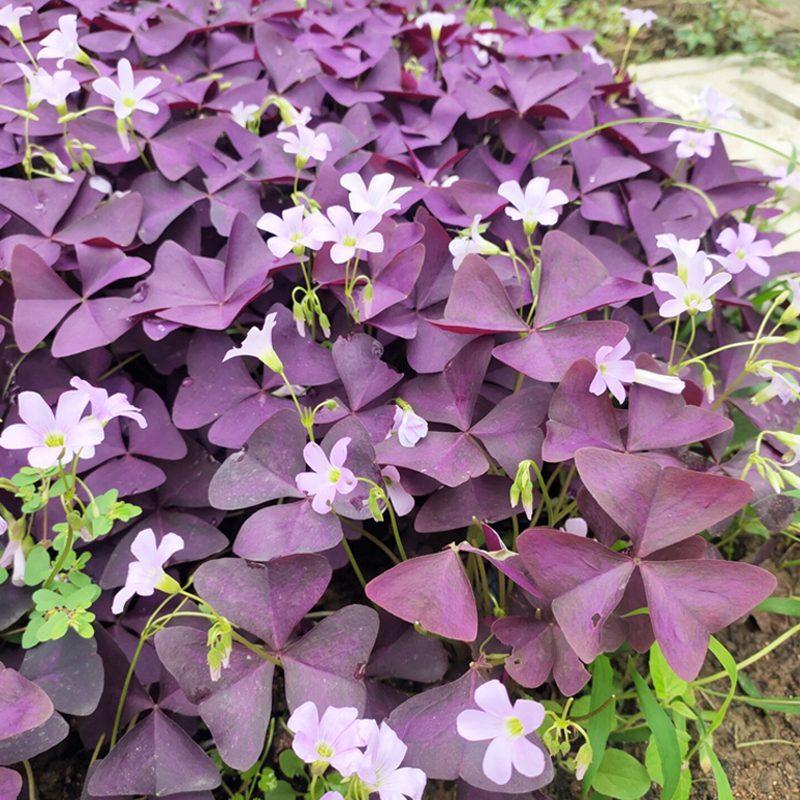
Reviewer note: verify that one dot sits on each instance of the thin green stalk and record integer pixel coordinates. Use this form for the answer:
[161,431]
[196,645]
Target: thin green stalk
[31,782]
[354,563]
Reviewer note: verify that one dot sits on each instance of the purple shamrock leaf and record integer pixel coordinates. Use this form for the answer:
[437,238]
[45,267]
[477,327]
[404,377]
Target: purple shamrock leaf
[267,600]
[136,766]
[433,591]
[574,281]
[236,707]
[328,665]
[23,705]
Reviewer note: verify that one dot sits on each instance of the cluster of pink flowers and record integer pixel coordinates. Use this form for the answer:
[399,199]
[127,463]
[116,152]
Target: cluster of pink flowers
[361,750]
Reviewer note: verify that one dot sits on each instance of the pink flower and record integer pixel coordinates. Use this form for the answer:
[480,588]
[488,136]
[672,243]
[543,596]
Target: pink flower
[305,144]
[401,500]
[329,476]
[744,250]
[408,426]
[507,726]
[146,574]
[576,526]
[350,236]
[127,95]
[379,767]
[691,293]
[293,230]
[379,197]
[13,556]
[53,437]
[637,17]
[334,739]
[105,407]
[692,142]
[612,370]
[537,205]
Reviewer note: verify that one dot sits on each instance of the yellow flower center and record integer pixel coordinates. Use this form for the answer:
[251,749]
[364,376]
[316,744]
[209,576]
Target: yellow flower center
[514,727]
[54,440]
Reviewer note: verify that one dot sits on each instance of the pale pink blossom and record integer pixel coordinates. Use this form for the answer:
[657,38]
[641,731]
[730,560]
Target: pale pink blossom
[408,426]
[784,178]
[470,241]
[127,95]
[62,43]
[507,727]
[402,502]
[379,197]
[488,39]
[105,407]
[692,294]
[781,385]
[53,89]
[744,250]
[613,370]
[595,57]
[335,739]
[290,116]
[350,236]
[576,526]
[258,343]
[711,107]
[671,384]
[10,18]
[636,17]
[691,142]
[687,254]
[436,21]
[379,767]
[330,476]
[146,573]
[305,145]
[13,556]
[50,438]
[244,115]
[537,205]
[293,230]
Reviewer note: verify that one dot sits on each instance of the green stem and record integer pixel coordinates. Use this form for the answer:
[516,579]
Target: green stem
[31,782]
[678,123]
[237,637]
[624,63]
[354,563]
[545,494]
[136,142]
[752,659]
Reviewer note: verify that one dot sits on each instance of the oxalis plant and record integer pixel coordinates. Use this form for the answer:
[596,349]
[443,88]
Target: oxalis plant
[390,395]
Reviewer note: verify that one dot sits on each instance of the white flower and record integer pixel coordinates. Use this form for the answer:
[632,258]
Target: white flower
[146,573]
[490,39]
[792,441]
[293,230]
[10,17]
[63,42]
[692,294]
[53,89]
[744,250]
[305,144]
[290,116]
[784,178]
[781,385]
[100,184]
[692,142]
[671,384]
[127,96]
[244,115]
[508,727]
[50,438]
[435,20]
[636,17]
[613,370]
[686,252]
[711,108]
[596,58]
[350,236]
[449,181]
[14,557]
[105,408]
[471,241]
[379,768]
[258,343]
[792,312]
[408,426]
[401,500]
[576,526]
[538,205]
[378,197]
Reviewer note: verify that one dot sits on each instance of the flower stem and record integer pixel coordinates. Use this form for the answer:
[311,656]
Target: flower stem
[354,563]
[138,146]
[31,782]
